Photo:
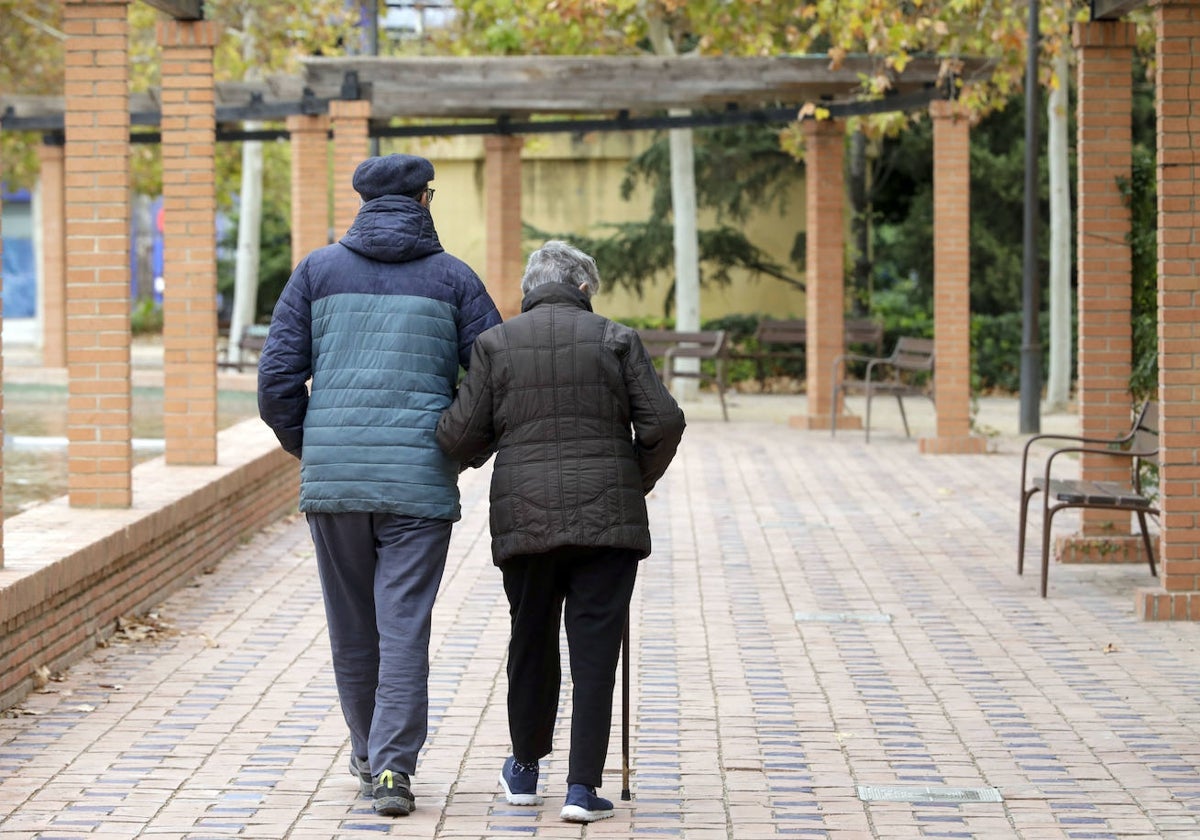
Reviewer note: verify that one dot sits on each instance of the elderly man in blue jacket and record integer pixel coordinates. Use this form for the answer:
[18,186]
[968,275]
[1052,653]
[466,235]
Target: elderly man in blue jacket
[379,323]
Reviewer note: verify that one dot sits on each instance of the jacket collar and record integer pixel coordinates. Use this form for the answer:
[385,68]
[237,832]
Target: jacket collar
[556,293]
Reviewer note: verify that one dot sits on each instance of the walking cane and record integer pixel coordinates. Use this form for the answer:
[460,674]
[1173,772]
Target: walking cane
[625,795]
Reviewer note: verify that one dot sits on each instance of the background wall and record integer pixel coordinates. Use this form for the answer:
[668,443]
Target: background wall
[571,184]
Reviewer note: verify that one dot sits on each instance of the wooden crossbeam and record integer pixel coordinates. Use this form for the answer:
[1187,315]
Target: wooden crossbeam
[1114,9]
[180,9]
[479,86]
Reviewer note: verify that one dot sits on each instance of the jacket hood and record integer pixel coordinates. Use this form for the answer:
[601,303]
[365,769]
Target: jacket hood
[556,293]
[392,229]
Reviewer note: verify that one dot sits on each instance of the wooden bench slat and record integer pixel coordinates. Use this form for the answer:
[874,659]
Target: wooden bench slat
[787,339]
[669,345]
[1094,493]
[254,337]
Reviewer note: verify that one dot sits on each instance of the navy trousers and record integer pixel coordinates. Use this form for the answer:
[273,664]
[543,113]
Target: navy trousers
[380,574]
[588,589]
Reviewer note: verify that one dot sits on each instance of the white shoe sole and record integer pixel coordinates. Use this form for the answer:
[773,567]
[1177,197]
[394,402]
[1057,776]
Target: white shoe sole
[519,798]
[574,813]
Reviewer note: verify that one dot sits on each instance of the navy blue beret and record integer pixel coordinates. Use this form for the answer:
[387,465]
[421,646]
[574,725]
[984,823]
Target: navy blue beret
[392,175]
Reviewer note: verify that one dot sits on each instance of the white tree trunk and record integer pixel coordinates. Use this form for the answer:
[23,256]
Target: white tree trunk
[687,251]
[249,244]
[686,240]
[1058,383]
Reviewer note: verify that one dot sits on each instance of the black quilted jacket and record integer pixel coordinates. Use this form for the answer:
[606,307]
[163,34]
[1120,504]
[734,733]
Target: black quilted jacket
[581,425]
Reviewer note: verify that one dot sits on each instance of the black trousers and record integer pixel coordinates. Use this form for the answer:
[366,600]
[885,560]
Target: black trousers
[589,590]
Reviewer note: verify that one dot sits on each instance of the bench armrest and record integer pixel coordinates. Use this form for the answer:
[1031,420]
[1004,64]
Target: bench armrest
[1106,442]
[1129,454]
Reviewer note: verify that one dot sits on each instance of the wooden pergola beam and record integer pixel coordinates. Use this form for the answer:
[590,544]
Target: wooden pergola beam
[179,9]
[1114,9]
[514,88]
[489,86]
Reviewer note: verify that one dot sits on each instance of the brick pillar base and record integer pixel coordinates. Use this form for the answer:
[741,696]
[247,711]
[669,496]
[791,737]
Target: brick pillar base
[1156,605]
[310,184]
[951,283]
[956,445]
[99,408]
[1104,139]
[824,299]
[1177,23]
[2,430]
[189,250]
[502,203]
[1112,549]
[54,280]
[351,123]
[812,422]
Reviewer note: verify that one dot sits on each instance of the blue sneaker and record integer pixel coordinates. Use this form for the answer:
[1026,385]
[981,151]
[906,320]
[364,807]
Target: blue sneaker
[584,806]
[360,768]
[520,782]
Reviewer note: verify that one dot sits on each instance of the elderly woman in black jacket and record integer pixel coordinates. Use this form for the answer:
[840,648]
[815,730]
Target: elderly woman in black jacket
[583,428]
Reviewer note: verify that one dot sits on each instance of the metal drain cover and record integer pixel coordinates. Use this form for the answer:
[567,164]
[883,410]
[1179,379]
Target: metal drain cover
[896,793]
[845,617]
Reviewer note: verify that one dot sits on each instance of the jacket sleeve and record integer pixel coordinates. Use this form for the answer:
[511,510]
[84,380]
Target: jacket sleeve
[476,313]
[658,420]
[466,430]
[285,364]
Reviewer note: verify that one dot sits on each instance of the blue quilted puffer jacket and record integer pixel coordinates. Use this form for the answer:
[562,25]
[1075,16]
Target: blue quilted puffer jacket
[380,322]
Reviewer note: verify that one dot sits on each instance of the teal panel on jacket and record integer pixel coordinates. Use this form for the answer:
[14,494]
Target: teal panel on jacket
[384,369]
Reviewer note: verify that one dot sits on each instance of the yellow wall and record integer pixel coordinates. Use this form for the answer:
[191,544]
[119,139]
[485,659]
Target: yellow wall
[572,184]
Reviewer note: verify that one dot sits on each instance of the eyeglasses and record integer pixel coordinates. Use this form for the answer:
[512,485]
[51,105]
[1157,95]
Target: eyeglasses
[429,195]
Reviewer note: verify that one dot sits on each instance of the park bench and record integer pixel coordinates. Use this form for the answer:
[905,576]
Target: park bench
[1138,446]
[907,372]
[786,338]
[705,345]
[250,346]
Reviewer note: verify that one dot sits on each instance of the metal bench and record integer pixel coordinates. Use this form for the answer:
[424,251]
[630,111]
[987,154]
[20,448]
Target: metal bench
[907,372]
[1138,446]
[669,345]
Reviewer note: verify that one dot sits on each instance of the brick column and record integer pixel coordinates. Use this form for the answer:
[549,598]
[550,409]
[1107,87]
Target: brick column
[502,213]
[96,58]
[351,123]
[1178,80]
[824,299]
[189,241]
[952,282]
[1104,143]
[2,429]
[53,266]
[310,184]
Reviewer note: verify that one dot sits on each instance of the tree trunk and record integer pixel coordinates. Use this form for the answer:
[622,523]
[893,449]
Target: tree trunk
[686,239]
[245,284]
[249,245]
[860,226]
[1058,383]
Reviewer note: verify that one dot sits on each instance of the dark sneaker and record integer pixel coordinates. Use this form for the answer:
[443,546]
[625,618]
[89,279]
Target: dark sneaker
[584,806]
[520,782]
[392,795]
[360,768]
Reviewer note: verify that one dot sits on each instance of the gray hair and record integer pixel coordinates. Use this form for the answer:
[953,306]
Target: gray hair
[558,262]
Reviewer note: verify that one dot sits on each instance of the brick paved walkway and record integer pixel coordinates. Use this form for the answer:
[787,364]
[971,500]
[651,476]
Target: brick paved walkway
[821,621]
